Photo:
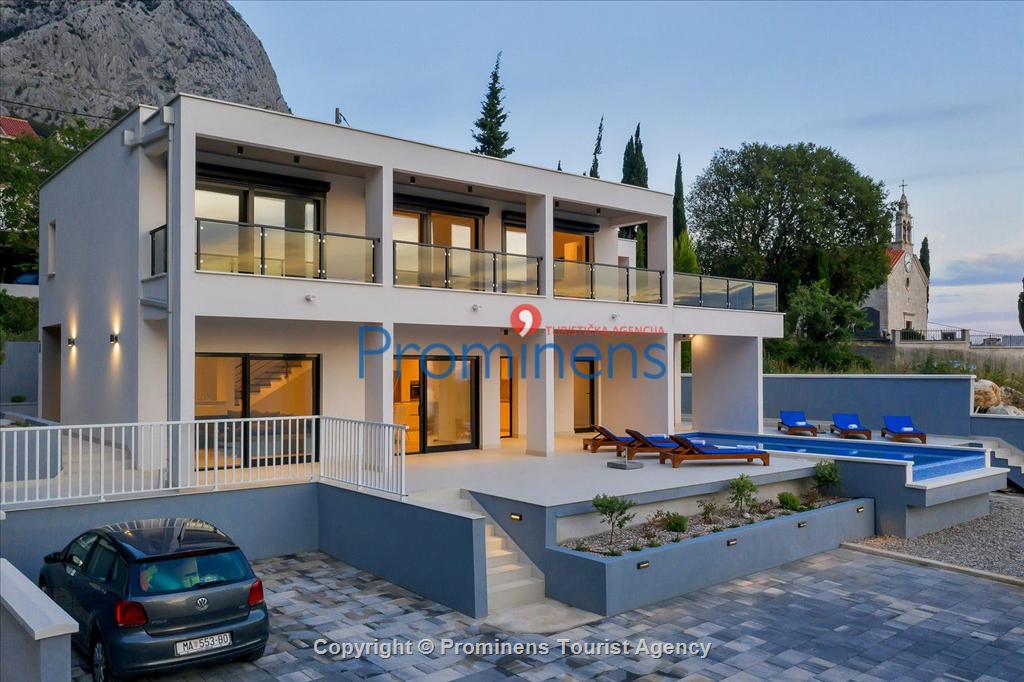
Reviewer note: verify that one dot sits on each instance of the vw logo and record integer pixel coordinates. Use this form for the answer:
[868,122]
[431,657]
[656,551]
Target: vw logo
[202,603]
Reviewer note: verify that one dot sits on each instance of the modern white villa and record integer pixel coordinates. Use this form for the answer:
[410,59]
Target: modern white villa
[235,253]
[317,337]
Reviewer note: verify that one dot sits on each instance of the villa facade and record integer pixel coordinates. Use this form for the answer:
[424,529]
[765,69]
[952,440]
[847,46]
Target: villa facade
[212,260]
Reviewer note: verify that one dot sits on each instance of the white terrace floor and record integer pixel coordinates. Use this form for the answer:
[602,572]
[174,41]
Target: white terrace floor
[569,475]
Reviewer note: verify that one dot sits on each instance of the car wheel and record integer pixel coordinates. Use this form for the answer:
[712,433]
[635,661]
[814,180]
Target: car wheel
[101,671]
[255,655]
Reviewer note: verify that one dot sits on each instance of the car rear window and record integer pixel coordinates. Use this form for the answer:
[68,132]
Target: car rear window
[178,574]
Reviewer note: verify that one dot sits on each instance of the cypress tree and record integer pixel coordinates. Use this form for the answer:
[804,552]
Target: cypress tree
[678,207]
[559,164]
[634,172]
[597,149]
[491,139]
[1020,306]
[926,258]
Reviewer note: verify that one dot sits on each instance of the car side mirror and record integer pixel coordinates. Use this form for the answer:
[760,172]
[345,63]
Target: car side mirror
[54,558]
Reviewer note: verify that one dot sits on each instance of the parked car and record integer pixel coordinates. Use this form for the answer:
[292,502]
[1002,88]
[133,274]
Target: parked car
[157,595]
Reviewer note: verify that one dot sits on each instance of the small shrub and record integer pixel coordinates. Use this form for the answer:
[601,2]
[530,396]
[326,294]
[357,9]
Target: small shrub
[762,507]
[18,399]
[614,511]
[677,538]
[613,552]
[789,501]
[654,523]
[676,523]
[812,497]
[769,517]
[635,547]
[826,477]
[654,543]
[717,529]
[581,547]
[709,510]
[734,525]
[741,492]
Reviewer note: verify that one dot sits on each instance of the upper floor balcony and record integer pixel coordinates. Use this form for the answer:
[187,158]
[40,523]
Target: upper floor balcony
[452,267]
[605,282]
[706,291]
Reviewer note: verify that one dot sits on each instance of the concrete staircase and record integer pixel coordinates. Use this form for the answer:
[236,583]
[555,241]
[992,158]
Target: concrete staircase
[1010,457]
[512,579]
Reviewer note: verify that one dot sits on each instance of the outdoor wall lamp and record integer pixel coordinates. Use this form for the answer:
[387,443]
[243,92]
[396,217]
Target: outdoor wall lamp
[643,564]
[114,338]
[239,150]
[469,188]
[515,516]
[860,510]
[412,179]
[476,307]
[615,316]
[801,524]
[71,342]
[311,298]
[599,211]
[731,543]
[296,159]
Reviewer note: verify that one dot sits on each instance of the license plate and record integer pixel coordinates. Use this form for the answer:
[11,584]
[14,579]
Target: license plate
[192,646]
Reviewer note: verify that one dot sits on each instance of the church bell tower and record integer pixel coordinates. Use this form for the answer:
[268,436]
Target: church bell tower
[903,226]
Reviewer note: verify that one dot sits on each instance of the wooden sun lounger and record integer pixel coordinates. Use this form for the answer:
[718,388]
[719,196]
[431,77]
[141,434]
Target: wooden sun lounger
[605,439]
[894,429]
[688,451]
[643,445]
[791,428]
[846,431]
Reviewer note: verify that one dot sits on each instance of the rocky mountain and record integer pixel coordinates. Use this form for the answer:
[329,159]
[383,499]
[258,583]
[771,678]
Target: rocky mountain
[104,56]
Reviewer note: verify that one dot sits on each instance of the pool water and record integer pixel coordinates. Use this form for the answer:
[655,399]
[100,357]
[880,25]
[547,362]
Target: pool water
[927,462]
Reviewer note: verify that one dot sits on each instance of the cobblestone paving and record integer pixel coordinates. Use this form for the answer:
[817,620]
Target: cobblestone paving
[841,615]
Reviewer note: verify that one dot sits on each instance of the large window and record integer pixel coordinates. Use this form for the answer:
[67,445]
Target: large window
[437,398]
[436,227]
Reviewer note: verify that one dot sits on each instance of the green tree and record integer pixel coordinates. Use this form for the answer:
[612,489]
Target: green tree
[19,319]
[926,258]
[597,149]
[25,162]
[614,511]
[741,492]
[678,201]
[490,136]
[634,172]
[684,256]
[791,214]
[820,326]
[1020,306]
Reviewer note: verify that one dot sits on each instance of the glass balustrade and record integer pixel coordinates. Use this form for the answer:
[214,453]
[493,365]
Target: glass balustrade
[604,282]
[720,292]
[281,252]
[449,267]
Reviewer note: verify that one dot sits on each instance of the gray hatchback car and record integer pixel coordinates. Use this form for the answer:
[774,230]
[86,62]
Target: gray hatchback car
[158,594]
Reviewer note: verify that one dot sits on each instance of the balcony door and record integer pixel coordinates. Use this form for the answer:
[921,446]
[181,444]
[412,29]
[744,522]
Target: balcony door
[583,393]
[437,398]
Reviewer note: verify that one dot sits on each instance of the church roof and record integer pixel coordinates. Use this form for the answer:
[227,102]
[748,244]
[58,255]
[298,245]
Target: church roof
[895,257]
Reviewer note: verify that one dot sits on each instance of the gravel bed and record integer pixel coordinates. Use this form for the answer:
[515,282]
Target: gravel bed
[990,543]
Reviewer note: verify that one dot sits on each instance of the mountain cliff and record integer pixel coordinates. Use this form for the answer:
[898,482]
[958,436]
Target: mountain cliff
[102,57]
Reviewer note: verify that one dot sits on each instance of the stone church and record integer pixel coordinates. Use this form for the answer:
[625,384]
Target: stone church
[902,301]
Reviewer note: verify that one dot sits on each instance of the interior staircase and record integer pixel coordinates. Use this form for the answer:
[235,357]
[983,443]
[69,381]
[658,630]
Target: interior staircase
[512,579]
[266,376]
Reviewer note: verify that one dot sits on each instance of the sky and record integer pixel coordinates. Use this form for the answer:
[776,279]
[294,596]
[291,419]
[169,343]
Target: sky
[927,93]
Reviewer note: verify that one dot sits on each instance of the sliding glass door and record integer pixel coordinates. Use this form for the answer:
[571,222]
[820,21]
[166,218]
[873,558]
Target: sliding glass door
[437,398]
[266,388]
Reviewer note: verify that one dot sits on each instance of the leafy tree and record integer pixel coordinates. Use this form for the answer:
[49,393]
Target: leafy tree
[820,326]
[634,172]
[25,162]
[615,512]
[826,477]
[19,319]
[926,258]
[791,214]
[597,149]
[678,205]
[491,139]
[684,256]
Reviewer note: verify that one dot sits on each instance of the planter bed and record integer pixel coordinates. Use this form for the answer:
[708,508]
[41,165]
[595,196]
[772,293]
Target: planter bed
[612,584]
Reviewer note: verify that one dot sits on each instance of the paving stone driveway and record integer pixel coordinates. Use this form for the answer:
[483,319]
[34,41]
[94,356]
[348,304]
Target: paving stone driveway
[842,615]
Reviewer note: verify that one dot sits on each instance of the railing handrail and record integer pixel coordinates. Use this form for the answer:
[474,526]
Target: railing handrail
[198,420]
[608,265]
[286,229]
[722,277]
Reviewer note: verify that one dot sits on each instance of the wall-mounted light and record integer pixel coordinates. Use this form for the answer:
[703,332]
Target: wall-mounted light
[731,543]
[239,150]
[469,188]
[599,211]
[477,307]
[310,298]
[71,342]
[860,510]
[801,524]
[643,564]
[557,204]
[615,316]
[296,159]
[412,179]
[515,516]
[114,338]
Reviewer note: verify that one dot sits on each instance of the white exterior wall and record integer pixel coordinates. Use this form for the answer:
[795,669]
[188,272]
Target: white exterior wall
[727,383]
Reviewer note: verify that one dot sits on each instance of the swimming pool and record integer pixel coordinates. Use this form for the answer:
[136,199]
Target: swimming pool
[927,461]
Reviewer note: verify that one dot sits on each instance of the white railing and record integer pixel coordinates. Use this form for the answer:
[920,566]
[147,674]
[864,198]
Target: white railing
[41,464]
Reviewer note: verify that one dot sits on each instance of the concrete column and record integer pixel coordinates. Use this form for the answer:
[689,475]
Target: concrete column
[659,252]
[727,383]
[182,284]
[379,375]
[677,381]
[540,230]
[540,394]
[380,196]
[606,245]
[642,400]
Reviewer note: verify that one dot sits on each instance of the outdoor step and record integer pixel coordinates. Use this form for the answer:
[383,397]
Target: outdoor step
[499,557]
[438,495]
[495,542]
[515,593]
[507,573]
